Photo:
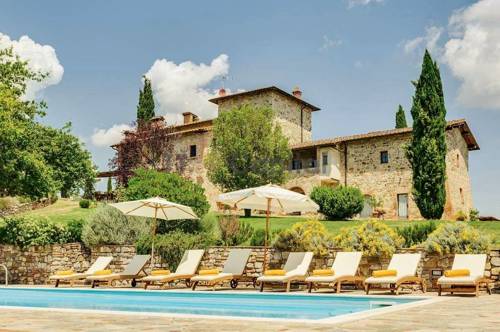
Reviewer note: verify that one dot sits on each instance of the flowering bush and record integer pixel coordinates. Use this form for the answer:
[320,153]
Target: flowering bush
[305,236]
[457,237]
[373,238]
[24,231]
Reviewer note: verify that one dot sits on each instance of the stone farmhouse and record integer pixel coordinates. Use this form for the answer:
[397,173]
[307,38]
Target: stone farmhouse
[375,162]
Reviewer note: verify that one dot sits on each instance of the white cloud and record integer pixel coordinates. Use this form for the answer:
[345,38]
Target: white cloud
[473,53]
[353,3]
[179,88]
[329,43]
[429,41]
[108,137]
[41,58]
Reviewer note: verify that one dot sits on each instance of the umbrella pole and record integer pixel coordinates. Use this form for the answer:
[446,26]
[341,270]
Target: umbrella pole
[153,242]
[267,234]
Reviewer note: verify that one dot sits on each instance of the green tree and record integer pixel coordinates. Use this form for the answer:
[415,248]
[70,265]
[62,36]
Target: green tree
[110,185]
[147,183]
[248,149]
[66,155]
[146,106]
[401,118]
[23,170]
[427,149]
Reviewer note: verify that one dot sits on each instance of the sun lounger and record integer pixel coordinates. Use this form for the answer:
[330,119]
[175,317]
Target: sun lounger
[295,269]
[131,272]
[233,270]
[344,269]
[185,270]
[405,267]
[468,282]
[100,264]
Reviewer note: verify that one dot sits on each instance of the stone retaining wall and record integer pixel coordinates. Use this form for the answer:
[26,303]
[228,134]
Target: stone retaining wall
[33,265]
[216,256]
[25,207]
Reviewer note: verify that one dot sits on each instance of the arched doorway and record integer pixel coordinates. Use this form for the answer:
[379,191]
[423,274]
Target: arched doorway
[298,190]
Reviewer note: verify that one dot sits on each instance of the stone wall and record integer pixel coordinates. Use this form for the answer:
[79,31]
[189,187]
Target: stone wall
[288,113]
[33,265]
[216,256]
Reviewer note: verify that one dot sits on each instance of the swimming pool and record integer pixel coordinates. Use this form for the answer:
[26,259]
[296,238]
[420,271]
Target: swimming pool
[234,304]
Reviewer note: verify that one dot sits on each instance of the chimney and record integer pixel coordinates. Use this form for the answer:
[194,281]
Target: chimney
[189,117]
[296,92]
[222,92]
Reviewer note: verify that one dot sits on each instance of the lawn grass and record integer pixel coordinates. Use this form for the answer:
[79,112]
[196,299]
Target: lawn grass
[65,210]
[61,211]
[277,223]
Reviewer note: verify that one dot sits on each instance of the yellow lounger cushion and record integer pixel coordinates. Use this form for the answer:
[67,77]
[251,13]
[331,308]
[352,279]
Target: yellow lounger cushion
[275,273]
[160,272]
[102,272]
[321,273]
[65,273]
[457,273]
[384,273]
[208,272]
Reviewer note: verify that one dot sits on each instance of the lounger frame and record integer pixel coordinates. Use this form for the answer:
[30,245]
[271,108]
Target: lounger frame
[396,287]
[337,284]
[234,280]
[286,282]
[168,279]
[465,288]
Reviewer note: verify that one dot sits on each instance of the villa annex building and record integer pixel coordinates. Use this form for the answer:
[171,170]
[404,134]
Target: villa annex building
[375,162]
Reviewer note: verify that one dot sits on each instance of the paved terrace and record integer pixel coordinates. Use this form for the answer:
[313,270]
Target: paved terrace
[459,313]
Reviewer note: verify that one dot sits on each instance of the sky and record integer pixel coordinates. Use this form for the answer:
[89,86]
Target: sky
[355,59]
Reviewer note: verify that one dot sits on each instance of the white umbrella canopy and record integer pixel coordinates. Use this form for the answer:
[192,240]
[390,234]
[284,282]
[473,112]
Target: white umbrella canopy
[156,208]
[270,198]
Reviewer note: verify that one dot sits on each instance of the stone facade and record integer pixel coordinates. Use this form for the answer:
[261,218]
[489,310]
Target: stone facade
[352,160]
[386,181]
[293,117]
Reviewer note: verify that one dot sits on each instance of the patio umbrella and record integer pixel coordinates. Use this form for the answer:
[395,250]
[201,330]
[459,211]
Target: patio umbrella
[156,208]
[270,198]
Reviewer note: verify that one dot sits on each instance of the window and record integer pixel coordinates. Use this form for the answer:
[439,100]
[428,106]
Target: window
[458,160]
[296,164]
[462,196]
[325,158]
[384,157]
[192,151]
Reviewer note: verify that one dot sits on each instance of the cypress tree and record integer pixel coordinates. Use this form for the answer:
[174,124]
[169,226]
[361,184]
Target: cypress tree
[110,185]
[401,118]
[146,106]
[427,150]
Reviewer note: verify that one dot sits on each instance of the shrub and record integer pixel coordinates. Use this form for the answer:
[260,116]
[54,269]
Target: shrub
[170,186]
[171,246]
[305,236]
[24,231]
[110,226]
[84,203]
[417,233]
[457,237]
[233,232]
[258,237]
[373,238]
[75,228]
[8,202]
[474,215]
[338,203]
[461,216]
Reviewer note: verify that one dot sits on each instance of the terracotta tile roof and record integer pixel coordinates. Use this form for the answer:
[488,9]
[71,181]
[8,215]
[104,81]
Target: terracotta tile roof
[460,123]
[313,108]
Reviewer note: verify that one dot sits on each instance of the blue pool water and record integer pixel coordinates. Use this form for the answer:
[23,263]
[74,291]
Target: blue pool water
[296,306]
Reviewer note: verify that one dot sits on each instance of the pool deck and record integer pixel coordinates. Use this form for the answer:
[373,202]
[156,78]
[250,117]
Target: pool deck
[457,313]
